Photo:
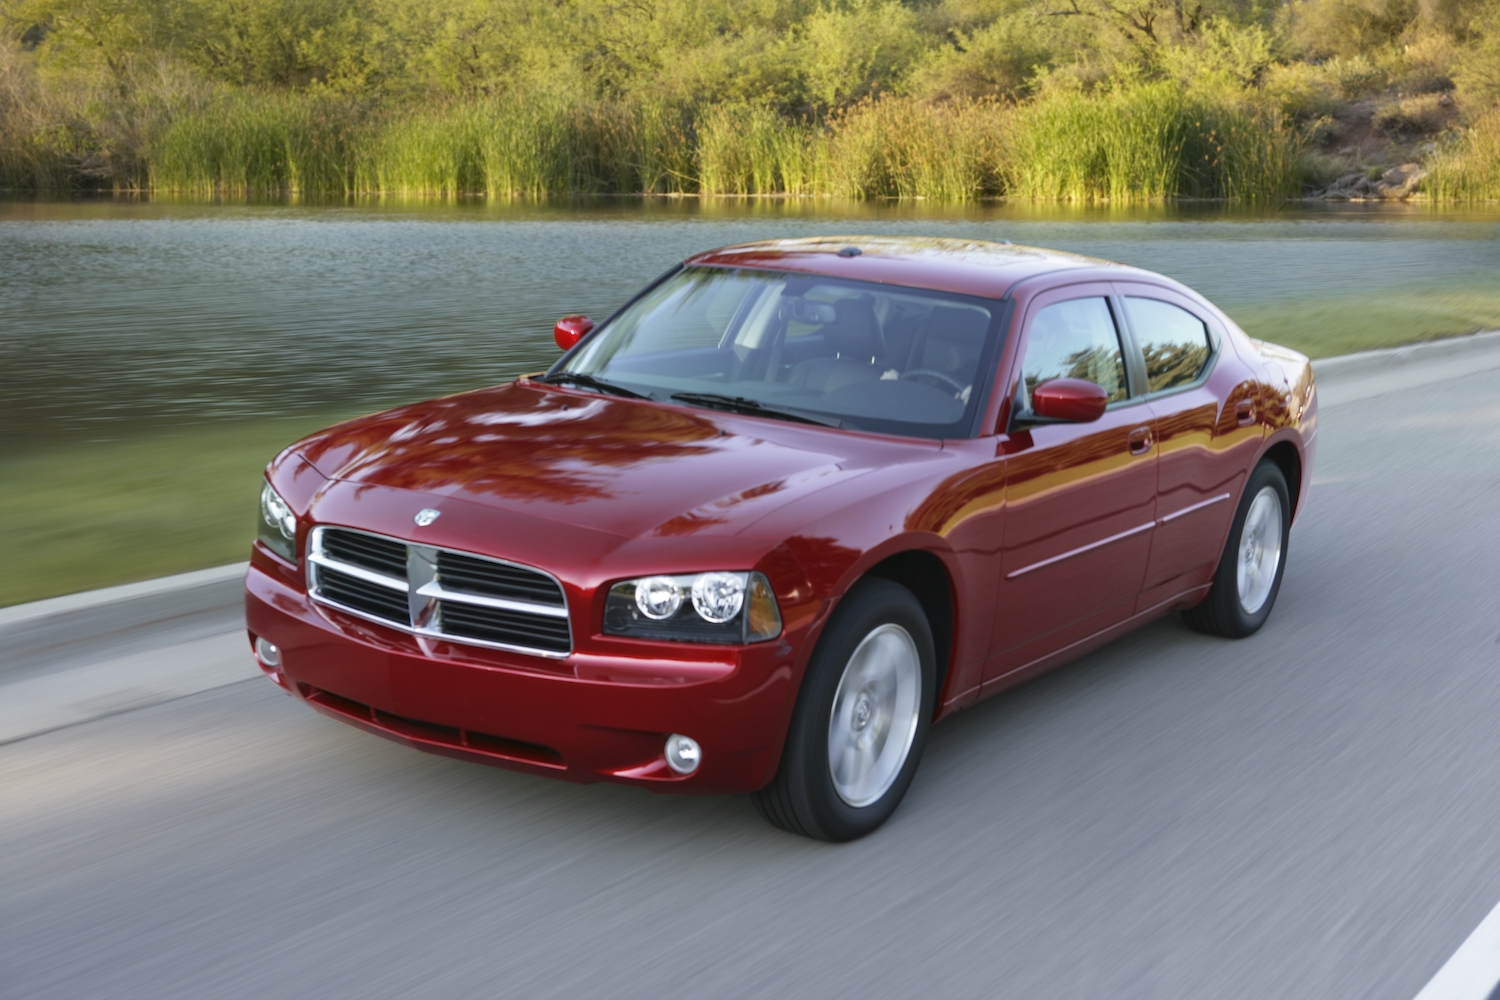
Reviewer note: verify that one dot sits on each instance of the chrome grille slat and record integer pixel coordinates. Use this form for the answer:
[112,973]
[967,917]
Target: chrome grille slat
[466,573]
[370,552]
[359,572]
[467,621]
[439,593]
[351,591]
[437,590]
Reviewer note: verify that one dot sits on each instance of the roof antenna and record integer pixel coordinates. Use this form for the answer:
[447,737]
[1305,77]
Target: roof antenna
[850,251]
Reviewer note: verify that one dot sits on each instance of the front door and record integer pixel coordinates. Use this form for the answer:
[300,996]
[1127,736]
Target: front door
[1080,497]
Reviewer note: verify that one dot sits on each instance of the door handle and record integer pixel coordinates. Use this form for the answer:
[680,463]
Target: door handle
[1140,441]
[1244,412]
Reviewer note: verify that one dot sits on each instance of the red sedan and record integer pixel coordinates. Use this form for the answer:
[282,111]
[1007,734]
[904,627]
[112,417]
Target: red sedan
[793,503]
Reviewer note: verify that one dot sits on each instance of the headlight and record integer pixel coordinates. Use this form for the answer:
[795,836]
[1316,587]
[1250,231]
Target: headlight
[278,525]
[700,607]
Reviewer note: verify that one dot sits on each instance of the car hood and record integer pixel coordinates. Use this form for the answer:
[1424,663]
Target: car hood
[622,466]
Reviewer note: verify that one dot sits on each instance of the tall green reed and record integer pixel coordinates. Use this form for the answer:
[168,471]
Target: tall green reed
[750,149]
[529,147]
[1146,142]
[1130,143]
[901,148]
[1468,169]
[257,142]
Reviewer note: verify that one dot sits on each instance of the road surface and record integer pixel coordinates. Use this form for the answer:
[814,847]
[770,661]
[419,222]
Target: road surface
[1312,812]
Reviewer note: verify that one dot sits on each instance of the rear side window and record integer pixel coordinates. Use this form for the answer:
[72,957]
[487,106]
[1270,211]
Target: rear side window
[1075,339]
[1174,341]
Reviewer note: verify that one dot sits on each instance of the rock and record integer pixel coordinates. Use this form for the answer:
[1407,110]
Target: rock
[1348,187]
[1399,182]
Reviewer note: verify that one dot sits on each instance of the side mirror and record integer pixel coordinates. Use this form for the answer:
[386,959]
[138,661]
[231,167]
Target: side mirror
[570,330]
[1069,399]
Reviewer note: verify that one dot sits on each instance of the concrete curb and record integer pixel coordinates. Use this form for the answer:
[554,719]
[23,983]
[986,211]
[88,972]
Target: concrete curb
[1352,377]
[87,600]
[1380,361]
[1458,350]
[118,621]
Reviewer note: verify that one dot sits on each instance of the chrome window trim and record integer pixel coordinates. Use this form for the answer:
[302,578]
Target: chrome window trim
[421,561]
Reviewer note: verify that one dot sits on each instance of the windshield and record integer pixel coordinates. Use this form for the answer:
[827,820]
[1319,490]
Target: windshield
[876,357]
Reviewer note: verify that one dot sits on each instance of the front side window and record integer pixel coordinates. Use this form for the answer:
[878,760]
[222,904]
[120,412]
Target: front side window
[1174,341]
[1074,339]
[875,357]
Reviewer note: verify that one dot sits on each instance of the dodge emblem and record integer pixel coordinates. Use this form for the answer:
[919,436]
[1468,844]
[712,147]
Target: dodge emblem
[426,516]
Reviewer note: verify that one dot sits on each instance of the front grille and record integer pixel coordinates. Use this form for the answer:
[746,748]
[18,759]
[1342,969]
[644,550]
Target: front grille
[456,596]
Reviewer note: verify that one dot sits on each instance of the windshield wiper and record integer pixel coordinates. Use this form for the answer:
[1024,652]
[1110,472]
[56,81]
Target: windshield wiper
[740,404]
[590,382]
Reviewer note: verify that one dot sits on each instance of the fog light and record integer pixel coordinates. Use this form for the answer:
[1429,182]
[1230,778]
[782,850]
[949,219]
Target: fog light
[683,754]
[267,653]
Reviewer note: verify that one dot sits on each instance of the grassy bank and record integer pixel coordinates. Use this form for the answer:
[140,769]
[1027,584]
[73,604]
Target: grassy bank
[94,515]
[91,515]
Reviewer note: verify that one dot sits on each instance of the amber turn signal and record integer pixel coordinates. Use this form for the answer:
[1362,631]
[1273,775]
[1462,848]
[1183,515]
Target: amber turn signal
[762,616]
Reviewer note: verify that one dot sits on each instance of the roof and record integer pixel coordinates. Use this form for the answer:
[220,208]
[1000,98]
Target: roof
[967,267]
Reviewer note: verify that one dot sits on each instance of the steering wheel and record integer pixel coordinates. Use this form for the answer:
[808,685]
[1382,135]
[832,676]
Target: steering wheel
[957,389]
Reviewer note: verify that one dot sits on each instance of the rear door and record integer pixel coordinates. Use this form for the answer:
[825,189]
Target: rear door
[1080,498]
[1202,461]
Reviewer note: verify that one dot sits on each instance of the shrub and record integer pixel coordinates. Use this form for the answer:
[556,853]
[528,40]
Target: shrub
[1350,28]
[1421,115]
[1301,91]
[996,61]
[1477,72]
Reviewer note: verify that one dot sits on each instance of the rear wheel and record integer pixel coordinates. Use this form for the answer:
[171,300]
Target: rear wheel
[1249,574]
[861,719]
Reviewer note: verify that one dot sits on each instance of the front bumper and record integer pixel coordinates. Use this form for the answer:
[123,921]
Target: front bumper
[589,717]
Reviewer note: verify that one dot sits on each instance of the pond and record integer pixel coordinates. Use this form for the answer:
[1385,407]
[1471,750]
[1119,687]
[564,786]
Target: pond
[123,317]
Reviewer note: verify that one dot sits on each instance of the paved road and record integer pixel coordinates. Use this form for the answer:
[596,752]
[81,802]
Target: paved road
[1314,812]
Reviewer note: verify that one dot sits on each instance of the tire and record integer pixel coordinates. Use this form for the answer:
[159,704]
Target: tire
[861,718]
[1249,575]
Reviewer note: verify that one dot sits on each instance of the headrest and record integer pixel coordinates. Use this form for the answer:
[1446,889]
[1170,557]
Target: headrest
[854,333]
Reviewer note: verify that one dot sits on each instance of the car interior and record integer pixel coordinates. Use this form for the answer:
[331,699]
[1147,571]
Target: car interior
[856,351]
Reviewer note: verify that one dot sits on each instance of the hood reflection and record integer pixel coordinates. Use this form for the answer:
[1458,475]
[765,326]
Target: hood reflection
[611,464]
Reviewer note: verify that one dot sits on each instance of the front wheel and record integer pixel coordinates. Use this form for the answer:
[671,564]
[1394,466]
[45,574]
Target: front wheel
[861,719]
[1249,574]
